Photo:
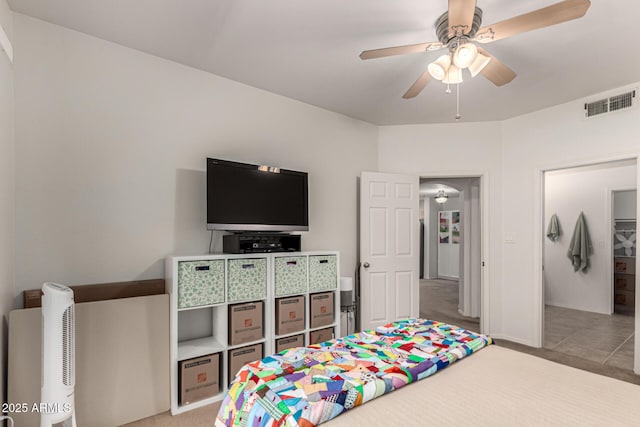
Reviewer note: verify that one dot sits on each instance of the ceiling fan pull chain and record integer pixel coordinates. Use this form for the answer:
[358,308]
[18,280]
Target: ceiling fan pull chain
[458,117]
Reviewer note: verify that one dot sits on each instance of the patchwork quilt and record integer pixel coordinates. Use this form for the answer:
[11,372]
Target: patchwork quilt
[306,386]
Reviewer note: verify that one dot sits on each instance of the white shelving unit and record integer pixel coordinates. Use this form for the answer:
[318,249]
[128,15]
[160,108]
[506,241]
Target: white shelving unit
[200,330]
[307,287]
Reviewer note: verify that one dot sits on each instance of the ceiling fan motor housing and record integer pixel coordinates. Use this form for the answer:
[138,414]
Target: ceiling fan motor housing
[464,36]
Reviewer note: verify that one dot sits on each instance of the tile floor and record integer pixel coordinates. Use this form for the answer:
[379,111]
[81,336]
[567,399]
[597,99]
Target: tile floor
[600,338]
[606,339]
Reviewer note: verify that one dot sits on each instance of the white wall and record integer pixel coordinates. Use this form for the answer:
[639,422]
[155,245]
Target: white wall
[460,149]
[625,204]
[7,193]
[514,153]
[111,148]
[549,139]
[567,193]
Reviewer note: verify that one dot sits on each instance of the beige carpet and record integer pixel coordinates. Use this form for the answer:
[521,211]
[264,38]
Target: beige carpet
[201,417]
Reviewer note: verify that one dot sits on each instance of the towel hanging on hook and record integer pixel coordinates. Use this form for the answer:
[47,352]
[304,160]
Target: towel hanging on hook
[580,247]
[553,230]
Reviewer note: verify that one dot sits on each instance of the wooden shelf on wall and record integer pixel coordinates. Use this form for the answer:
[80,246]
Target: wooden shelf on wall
[103,291]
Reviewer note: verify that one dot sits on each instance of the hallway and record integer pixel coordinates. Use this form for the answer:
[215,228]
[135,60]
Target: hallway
[439,301]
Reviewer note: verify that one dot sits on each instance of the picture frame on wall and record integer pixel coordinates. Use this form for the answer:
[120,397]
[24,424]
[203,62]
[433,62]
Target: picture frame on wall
[444,219]
[449,227]
[455,227]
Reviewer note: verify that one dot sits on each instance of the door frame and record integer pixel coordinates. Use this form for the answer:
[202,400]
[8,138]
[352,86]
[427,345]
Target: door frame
[538,250]
[485,301]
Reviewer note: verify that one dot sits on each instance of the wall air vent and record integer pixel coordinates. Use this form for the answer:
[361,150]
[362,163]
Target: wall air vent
[608,105]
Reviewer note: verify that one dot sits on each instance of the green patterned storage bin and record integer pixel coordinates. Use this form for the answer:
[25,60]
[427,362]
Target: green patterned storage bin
[290,275]
[323,273]
[247,279]
[200,283]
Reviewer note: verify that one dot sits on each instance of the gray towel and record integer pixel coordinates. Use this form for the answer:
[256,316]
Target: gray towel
[553,230]
[580,247]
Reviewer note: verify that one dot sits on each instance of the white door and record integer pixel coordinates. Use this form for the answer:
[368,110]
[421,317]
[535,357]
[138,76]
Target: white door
[389,248]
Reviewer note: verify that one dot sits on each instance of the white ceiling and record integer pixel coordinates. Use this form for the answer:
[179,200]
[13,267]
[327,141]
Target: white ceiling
[308,50]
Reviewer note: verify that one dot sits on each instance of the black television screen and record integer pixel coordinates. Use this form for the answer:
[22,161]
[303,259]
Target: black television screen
[245,197]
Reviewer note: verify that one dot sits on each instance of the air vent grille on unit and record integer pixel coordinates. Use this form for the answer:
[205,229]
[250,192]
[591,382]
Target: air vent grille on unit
[68,347]
[607,105]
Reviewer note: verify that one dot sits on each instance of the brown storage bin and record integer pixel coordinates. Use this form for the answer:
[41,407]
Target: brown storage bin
[321,335]
[321,312]
[238,357]
[289,342]
[289,315]
[199,378]
[245,322]
[624,265]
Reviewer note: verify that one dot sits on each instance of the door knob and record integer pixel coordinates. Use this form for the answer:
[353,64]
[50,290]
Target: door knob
[365,265]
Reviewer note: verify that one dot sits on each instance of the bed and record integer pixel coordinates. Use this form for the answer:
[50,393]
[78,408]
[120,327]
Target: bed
[307,386]
[495,387]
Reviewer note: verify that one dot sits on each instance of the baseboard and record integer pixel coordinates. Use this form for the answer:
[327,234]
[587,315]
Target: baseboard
[512,339]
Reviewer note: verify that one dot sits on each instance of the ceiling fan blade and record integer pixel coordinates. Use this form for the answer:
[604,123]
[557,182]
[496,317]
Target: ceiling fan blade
[400,50]
[417,87]
[461,15]
[555,14]
[498,73]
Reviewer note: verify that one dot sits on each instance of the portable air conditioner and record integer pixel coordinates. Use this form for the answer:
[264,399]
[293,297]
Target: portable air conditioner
[58,356]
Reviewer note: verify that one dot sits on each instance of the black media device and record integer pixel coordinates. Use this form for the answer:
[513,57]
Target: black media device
[245,243]
[255,198]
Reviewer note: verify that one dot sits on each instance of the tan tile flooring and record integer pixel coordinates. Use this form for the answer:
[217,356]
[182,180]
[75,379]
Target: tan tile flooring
[602,338]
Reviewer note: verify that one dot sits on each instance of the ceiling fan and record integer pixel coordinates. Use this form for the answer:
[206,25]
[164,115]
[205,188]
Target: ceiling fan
[458,29]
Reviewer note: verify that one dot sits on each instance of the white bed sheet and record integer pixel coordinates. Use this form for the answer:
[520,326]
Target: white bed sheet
[501,387]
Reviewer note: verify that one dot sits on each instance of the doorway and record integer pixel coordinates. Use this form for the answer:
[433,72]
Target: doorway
[451,253]
[580,288]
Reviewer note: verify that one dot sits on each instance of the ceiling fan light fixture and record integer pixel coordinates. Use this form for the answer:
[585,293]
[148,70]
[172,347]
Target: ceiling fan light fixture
[438,69]
[479,64]
[454,75]
[441,197]
[465,54]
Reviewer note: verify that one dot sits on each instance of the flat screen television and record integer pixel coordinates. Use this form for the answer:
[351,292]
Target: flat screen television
[246,197]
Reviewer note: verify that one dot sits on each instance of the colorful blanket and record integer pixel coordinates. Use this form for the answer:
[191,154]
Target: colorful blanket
[306,386]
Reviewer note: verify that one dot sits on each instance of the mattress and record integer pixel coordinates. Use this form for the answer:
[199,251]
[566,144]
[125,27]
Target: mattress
[500,387]
[307,386]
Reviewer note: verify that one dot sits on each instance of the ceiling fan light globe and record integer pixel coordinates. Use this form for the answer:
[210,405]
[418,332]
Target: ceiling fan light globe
[454,75]
[464,55]
[438,69]
[479,64]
